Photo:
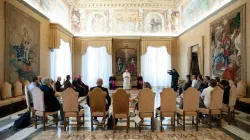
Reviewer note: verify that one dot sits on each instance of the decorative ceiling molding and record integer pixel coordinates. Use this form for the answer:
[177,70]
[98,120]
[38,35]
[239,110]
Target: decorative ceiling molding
[94,4]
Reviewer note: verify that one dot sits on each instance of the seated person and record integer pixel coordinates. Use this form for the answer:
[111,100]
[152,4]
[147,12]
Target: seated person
[218,81]
[185,86]
[31,87]
[206,94]
[39,83]
[205,83]
[50,100]
[136,100]
[108,99]
[67,83]
[225,86]
[199,83]
[58,85]
[139,82]
[194,81]
[112,81]
[84,88]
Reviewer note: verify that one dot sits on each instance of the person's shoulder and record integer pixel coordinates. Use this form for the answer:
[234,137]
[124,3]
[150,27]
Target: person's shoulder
[92,88]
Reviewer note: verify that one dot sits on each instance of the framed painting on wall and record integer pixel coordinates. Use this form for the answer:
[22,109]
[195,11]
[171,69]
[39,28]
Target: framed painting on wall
[227,46]
[22,45]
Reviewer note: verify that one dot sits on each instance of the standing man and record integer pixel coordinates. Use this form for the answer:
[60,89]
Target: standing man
[175,78]
[126,80]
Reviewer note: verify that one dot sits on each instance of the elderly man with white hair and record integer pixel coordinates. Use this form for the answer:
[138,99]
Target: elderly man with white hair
[50,100]
[59,87]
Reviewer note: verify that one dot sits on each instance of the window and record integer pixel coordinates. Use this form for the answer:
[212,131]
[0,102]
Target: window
[61,61]
[96,63]
[155,64]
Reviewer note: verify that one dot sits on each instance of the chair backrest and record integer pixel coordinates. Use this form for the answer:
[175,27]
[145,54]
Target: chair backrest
[70,100]
[191,99]
[6,90]
[120,102]
[26,83]
[18,90]
[53,86]
[27,96]
[216,98]
[232,96]
[97,100]
[168,100]
[241,88]
[38,99]
[146,100]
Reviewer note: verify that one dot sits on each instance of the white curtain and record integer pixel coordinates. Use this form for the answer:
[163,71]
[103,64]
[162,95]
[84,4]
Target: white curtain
[61,61]
[96,63]
[155,64]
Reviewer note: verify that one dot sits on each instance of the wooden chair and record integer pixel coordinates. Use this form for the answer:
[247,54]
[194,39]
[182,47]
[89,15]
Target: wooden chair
[146,107]
[168,106]
[97,100]
[18,90]
[70,107]
[39,107]
[230,108]
[241,89]
[120,106]
[215,105]
[27,98]
[190,106]
[26,83]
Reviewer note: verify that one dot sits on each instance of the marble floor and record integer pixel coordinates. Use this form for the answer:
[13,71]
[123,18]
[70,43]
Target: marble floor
[227,132]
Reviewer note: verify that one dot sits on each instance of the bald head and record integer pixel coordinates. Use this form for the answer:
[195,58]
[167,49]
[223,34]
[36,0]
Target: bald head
[99,82]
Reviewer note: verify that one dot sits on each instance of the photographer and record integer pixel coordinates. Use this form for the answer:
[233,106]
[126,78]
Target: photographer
[175,78]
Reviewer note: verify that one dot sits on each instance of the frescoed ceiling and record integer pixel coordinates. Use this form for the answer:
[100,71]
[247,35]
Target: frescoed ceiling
[127,17]
[93,4]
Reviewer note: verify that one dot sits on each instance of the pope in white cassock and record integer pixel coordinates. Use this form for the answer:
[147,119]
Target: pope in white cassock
[126,80]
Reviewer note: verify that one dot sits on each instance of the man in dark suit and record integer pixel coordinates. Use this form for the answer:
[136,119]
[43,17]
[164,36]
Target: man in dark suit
[59,87]
[108,99]
[84,88]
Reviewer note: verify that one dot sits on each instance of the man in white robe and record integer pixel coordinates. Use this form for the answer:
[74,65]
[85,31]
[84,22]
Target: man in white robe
[126,80]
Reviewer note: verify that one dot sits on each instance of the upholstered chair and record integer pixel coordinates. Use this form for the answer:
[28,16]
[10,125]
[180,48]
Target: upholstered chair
[241,89]
[70,107]
[97,100]
[7,94]
[18,90]
[215,105]
[26,83]
[230,108]
[168,106]
[190,106]
[146,107]
[27,99]
[120,106]
[39,107]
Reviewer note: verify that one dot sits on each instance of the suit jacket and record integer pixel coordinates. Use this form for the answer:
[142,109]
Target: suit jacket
[198,85]
[107,96]
[50,100]
[58,86]
[67,84]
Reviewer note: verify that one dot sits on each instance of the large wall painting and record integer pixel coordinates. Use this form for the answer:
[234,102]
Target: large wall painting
[22,45]
[125,56]
[228,45]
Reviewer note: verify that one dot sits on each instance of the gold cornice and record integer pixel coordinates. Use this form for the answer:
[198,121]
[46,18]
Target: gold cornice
[61,28]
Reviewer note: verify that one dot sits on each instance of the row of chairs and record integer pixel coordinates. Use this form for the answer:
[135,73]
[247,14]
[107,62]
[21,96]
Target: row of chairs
[12,94]
[146,106]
